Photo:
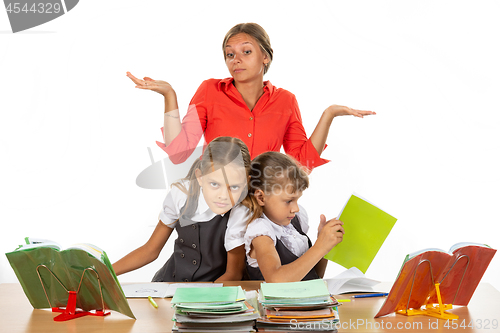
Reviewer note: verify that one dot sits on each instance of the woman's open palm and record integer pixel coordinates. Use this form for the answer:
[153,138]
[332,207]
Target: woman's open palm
[148,83]
[340,110]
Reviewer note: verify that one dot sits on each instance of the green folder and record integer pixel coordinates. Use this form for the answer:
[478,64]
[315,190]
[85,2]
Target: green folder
[218,295]
[43,286]
[295,290]
[366,228]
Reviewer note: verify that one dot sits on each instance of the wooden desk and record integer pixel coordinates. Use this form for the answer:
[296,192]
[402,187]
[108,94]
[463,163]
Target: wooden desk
[17,315]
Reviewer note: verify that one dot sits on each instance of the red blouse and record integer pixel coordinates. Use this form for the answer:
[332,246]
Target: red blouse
[217,109]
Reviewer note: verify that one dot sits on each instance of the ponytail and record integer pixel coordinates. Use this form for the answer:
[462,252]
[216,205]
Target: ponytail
[255,210]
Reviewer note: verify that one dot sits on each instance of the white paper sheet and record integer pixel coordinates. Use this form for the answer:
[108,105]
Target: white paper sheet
[352,280]
[159,289]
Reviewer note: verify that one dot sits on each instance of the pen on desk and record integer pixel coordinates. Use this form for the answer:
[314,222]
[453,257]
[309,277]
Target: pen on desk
[370,295]
[152,301]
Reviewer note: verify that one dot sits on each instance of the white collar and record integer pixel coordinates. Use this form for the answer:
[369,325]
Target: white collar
[277,228]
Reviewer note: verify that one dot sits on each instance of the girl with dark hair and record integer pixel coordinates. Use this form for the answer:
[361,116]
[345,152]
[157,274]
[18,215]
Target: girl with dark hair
[276,245]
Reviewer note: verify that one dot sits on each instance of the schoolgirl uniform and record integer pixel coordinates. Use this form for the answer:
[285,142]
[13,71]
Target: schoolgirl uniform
[200,250]
[290,241]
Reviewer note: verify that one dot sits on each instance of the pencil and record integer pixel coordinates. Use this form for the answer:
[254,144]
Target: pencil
[370,295]
[152,301]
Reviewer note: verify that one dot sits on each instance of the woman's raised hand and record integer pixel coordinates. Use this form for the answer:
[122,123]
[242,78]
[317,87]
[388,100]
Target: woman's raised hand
[330,233]
[161,87]
[339,110]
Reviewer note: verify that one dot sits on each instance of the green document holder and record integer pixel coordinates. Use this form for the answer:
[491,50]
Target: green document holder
[71,279]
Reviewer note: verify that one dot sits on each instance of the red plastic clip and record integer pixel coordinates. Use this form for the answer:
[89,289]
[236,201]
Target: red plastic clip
[70,312]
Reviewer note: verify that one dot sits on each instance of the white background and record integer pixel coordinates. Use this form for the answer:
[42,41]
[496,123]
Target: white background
[74,131]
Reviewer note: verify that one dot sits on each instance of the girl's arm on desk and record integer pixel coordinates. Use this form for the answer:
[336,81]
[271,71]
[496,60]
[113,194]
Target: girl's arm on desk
[146,253]
[235,265]
[270,263]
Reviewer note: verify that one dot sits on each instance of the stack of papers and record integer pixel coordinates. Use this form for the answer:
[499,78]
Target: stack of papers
[298,306]
[218,309]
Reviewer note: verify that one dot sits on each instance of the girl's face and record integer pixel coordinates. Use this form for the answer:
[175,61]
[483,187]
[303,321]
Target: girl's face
[280,206]
[244,58]
[223,188]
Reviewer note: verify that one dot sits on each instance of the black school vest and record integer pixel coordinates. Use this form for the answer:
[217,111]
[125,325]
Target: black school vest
[286,257]
[188,262]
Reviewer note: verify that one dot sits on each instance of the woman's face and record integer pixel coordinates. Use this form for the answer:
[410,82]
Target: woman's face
[244,58]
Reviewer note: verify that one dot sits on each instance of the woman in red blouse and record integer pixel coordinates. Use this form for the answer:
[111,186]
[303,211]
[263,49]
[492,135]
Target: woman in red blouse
[244,106]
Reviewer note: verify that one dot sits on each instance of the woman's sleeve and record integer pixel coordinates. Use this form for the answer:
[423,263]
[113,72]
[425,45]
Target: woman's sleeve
[193,126]
[296,143]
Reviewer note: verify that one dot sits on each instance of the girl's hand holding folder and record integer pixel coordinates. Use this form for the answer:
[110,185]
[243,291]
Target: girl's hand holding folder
[330,233]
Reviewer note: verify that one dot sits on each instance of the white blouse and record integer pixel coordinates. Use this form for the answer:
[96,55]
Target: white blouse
[176,199]
[288,235]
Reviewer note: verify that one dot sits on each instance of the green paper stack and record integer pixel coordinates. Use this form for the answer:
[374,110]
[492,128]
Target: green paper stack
[212,309]
[298,306]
